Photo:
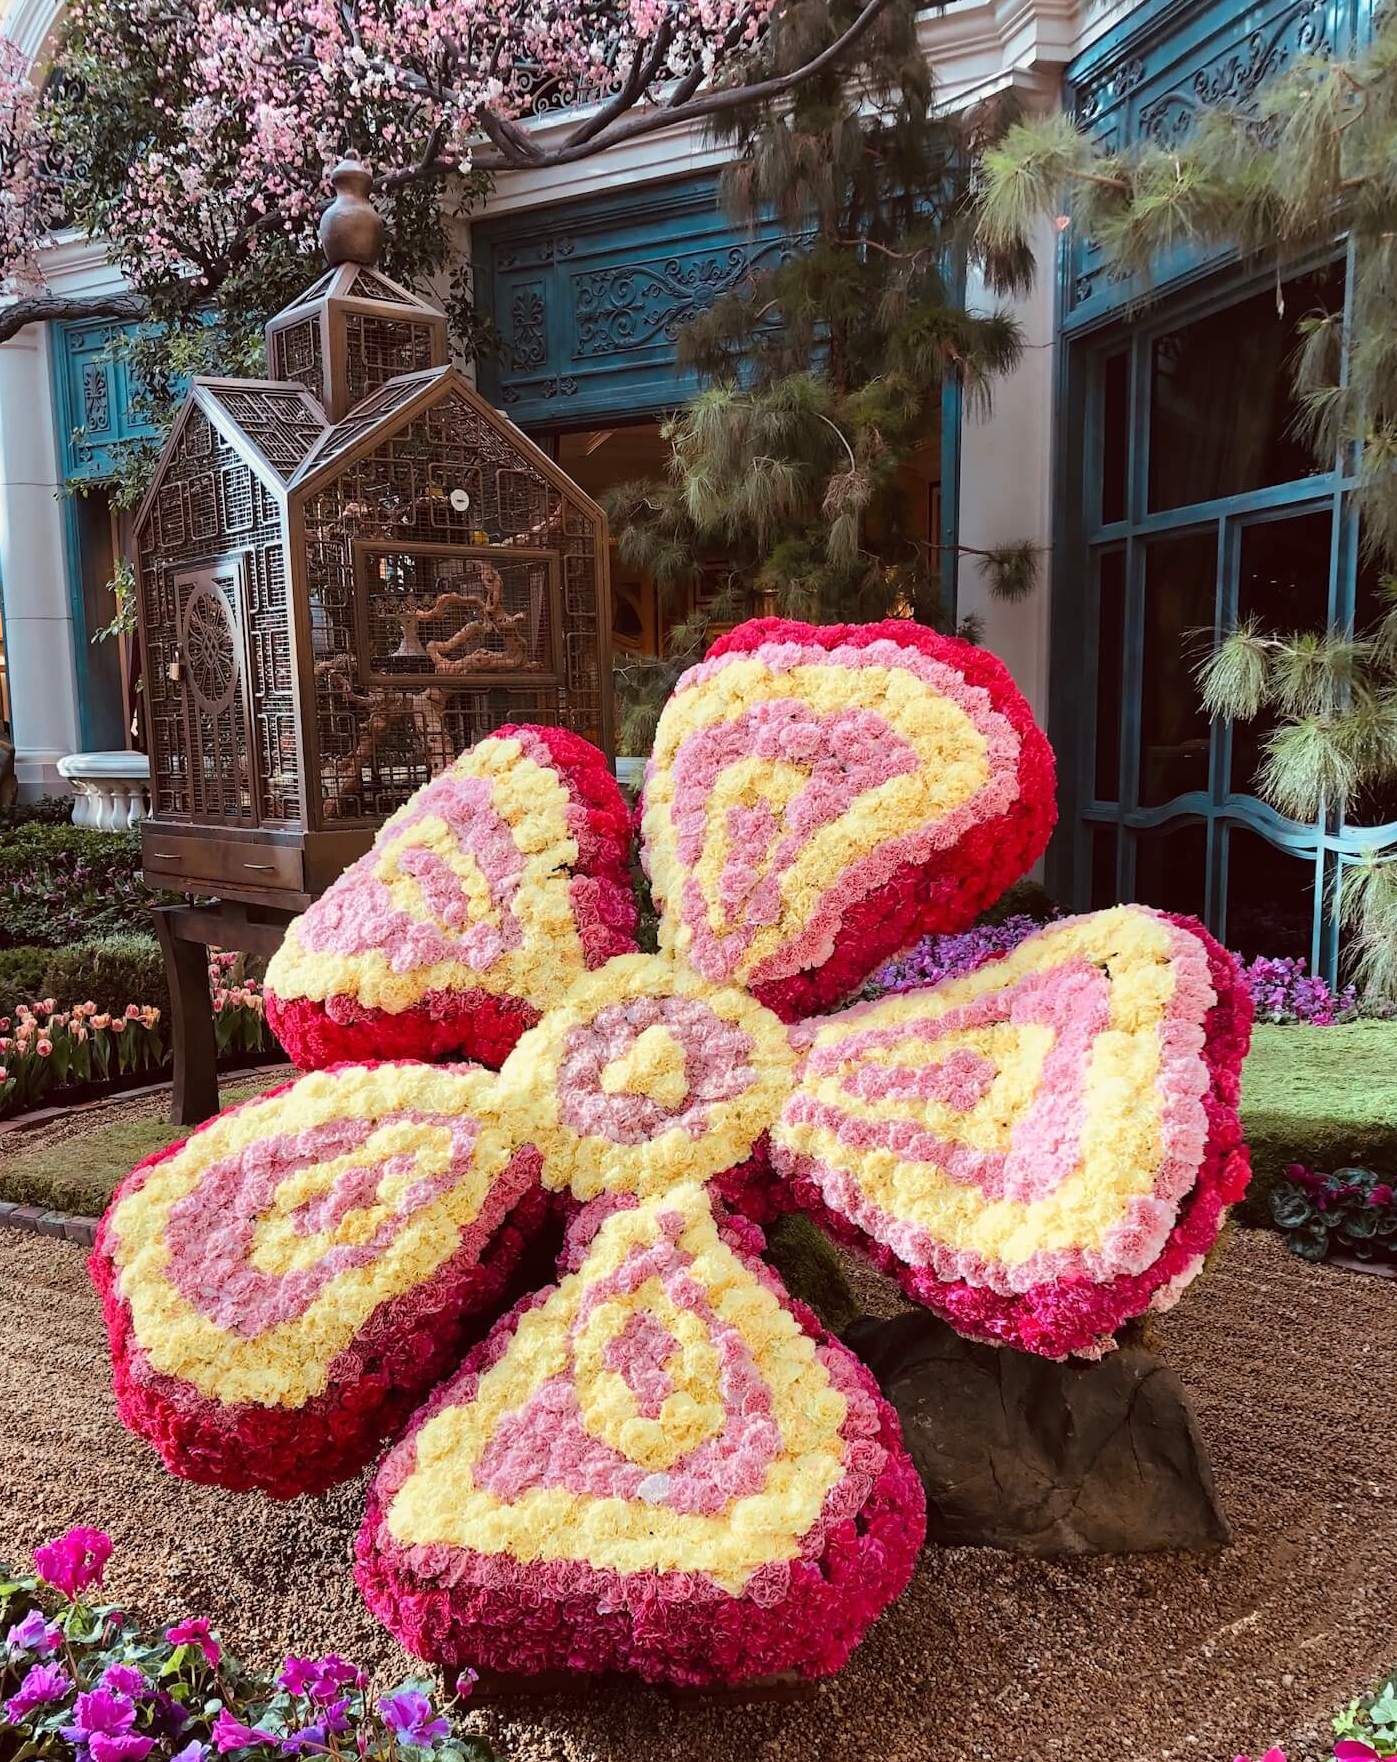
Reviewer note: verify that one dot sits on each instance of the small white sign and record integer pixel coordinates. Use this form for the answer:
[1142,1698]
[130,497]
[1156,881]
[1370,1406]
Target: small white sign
[460,501]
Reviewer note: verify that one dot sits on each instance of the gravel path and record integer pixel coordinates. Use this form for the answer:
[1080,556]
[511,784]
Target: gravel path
[1143,1660]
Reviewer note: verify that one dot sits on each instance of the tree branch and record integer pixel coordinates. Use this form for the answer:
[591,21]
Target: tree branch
[40,308]
[644,71]
[583,142]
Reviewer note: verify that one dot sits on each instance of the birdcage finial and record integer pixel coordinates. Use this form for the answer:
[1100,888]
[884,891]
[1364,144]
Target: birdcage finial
[351,229]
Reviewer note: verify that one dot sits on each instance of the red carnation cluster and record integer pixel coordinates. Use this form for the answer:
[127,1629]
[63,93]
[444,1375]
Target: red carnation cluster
[405,1348]
[1069,1316]
[342,1031]
[950,892]
[458,1607]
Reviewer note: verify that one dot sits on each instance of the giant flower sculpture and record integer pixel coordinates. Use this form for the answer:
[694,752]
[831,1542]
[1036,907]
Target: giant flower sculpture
[661,1462]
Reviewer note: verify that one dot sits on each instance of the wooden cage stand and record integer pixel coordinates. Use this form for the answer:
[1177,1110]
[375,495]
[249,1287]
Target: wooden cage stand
[185,933]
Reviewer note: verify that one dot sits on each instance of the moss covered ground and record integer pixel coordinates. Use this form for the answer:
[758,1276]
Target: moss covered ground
[1322,1096]
[75,1164]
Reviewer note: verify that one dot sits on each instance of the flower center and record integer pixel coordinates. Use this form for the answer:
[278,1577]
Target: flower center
[653,1066]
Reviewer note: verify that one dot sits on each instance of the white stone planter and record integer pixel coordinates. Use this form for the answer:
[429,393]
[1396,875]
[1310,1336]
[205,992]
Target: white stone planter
[110,788]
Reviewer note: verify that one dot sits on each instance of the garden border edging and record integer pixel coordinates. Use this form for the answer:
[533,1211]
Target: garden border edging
[39,1222]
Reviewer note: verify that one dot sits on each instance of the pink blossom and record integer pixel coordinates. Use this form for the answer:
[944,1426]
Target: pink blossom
[75,1561]
[196,1632]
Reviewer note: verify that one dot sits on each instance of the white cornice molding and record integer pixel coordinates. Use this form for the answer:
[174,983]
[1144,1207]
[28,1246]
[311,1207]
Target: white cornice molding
[980,47]
[31,24]
[976,48]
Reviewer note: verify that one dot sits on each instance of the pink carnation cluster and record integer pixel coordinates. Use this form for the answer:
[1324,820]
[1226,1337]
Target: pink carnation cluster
[805,1615]
[890,901]
[1066,1302]
[357,915]
[407,1345]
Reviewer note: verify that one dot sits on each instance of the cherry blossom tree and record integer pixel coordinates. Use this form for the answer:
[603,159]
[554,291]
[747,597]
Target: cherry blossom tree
[195,135]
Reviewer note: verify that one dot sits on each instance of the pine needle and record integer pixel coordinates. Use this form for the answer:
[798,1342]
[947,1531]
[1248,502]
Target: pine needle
[1233,679]
[1306,768]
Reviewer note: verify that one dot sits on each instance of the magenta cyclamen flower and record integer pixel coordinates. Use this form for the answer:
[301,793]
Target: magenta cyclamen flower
[44,1684]
[408,1714]
[100,1710]
[320,1678]
[196,1632]
[74,1562]
[124,1679]
[231,1734]
[34,1635]
[128,1746]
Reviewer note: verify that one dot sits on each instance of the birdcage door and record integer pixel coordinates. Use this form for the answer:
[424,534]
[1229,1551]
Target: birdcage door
[210,671]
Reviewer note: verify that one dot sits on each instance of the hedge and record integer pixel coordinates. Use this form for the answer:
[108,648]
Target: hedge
[63,884]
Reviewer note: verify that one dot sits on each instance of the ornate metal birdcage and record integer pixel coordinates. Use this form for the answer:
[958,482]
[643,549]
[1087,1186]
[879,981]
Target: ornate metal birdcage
[347,574]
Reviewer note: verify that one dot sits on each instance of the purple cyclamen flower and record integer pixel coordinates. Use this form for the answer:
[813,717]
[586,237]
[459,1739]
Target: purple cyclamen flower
[231,1734]
[34,1635]
[101,1710]
[408,1713]
[130,1746]
[74,1561]
[309,1739]
[193,1751]
[44,1684]
[124,1679]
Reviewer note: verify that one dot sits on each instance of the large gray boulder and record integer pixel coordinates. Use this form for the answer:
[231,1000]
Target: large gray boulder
[1040,1458]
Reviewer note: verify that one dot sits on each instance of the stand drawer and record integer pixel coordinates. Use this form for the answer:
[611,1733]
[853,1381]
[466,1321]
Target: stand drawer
[207,863]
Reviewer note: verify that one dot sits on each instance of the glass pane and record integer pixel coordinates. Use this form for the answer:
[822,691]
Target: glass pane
[1115,436]
[1283,581]
[1180,589]
[1110,662]
[1221,408]
[1171,867]
[104,700]
[1103,867]
[1270,897]
[1377,804]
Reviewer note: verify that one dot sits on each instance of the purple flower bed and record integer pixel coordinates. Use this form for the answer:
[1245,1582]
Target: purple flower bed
[1283,991]
[1281,987]
[947,957]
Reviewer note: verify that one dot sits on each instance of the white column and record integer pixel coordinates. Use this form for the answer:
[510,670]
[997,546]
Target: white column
[39,637]
[1006,486]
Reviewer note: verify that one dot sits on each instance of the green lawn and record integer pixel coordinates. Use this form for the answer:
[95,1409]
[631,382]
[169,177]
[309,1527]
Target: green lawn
[78,1174]
[1323,1096]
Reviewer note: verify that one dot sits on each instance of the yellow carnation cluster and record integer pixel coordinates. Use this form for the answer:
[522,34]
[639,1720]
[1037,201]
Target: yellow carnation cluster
[442,1501]
[406,1114]
[576,1114]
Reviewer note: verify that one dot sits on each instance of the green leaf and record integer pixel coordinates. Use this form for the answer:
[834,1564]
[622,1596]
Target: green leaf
[1311,1242]
[1290,1208]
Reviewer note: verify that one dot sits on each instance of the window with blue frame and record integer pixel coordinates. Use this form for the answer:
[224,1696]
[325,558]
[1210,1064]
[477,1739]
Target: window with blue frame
[1204,508]
[1189,502]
